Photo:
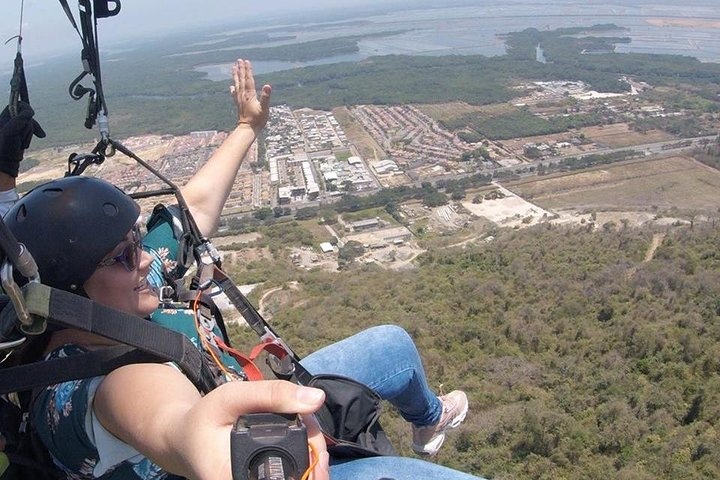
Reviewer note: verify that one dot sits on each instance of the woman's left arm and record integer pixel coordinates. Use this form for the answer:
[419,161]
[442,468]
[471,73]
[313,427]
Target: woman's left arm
[207,190]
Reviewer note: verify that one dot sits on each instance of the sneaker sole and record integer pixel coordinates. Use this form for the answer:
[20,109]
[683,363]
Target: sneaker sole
[433,446]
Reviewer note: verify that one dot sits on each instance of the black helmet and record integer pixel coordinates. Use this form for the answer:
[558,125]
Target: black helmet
[70,225]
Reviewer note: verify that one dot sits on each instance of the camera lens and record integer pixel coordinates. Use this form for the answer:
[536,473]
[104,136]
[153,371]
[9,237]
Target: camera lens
[271,465]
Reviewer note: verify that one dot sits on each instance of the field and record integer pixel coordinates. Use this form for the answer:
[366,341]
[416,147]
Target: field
[380,213]
[366,146]
[675,181]
[389,181]
[619,135]
[515,146]
[320,233]
[509,211]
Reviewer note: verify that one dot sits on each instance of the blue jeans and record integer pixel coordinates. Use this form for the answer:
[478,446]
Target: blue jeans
[385,359]
[393,468]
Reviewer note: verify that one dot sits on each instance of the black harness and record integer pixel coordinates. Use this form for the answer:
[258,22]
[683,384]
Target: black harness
[18,83]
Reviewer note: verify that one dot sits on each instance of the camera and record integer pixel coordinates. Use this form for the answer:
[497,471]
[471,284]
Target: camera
[268,446]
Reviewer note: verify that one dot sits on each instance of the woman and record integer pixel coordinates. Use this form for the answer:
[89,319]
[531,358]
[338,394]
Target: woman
[147,421]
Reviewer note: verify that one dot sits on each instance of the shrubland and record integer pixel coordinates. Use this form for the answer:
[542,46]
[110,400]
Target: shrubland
[580,358]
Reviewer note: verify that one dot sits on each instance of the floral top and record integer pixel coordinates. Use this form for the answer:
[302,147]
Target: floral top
[62,414]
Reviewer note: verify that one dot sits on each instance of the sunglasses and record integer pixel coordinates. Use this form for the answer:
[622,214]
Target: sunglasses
[130,255]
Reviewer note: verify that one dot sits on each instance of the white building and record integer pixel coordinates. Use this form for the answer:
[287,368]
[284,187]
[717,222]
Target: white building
[383,167]
[330,176]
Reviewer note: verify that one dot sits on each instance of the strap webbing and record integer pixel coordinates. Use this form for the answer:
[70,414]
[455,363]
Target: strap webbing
[272,343]
[155,342]
[90,364]
[247,363]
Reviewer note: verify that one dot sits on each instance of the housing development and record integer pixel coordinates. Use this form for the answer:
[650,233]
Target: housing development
[307,156]
[310,158]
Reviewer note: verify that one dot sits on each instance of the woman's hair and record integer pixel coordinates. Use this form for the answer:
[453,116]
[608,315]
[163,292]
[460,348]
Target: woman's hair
[69,225]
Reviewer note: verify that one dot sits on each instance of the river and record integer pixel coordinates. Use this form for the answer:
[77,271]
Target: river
[682,29]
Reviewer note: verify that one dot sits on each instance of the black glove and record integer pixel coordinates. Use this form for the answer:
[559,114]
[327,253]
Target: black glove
[15,135]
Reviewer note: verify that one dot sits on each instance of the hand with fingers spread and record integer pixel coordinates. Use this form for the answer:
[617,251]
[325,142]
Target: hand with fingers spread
[251,110]
[207,190]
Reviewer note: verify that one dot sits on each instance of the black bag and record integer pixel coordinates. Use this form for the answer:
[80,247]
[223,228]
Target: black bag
[349,418]
[25,457]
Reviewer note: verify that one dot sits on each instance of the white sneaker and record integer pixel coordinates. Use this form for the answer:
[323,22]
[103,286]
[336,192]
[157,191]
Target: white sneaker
[427,440]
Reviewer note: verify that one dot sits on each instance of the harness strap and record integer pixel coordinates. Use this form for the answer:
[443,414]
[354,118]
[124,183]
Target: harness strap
[72,311]
[18,84]
[69,14]
[97,108]
[248,311]
[269,346]
[272,343]
[207,305]
[90,364]
[247,363]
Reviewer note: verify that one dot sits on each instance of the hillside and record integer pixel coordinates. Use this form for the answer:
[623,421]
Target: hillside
[585,355]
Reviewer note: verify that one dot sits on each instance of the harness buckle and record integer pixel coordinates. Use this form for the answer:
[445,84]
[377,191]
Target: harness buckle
[14,293]
[28,323]
[166,294]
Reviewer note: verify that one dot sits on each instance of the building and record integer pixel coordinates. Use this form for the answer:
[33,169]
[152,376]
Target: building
[384,167]
[284,195]
[365,224]
[363,183]
[330,176]
[312,188]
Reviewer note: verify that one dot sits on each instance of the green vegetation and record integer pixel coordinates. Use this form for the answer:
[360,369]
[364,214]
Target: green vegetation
[349,252]
[27,186]
[365,214]
[468,136]
[710,155]
[431,197]
[522,123]
[682,126]
[587,161]
[343,156]
[237,40]
[580,359]
[294,52]
[28,163]
[284,234]
[478,153]
[481,80]
[426,192]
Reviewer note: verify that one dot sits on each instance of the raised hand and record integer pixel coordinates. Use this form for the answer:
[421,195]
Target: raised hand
[251,110]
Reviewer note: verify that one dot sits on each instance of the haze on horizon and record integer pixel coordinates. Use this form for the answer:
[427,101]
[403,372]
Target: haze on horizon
[47,31]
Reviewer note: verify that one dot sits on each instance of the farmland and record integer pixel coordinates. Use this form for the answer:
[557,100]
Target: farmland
[620,135]
[366,146]
[664,183]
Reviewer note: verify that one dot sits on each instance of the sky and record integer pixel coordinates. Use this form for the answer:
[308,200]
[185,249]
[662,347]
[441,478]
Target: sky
[47,31]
